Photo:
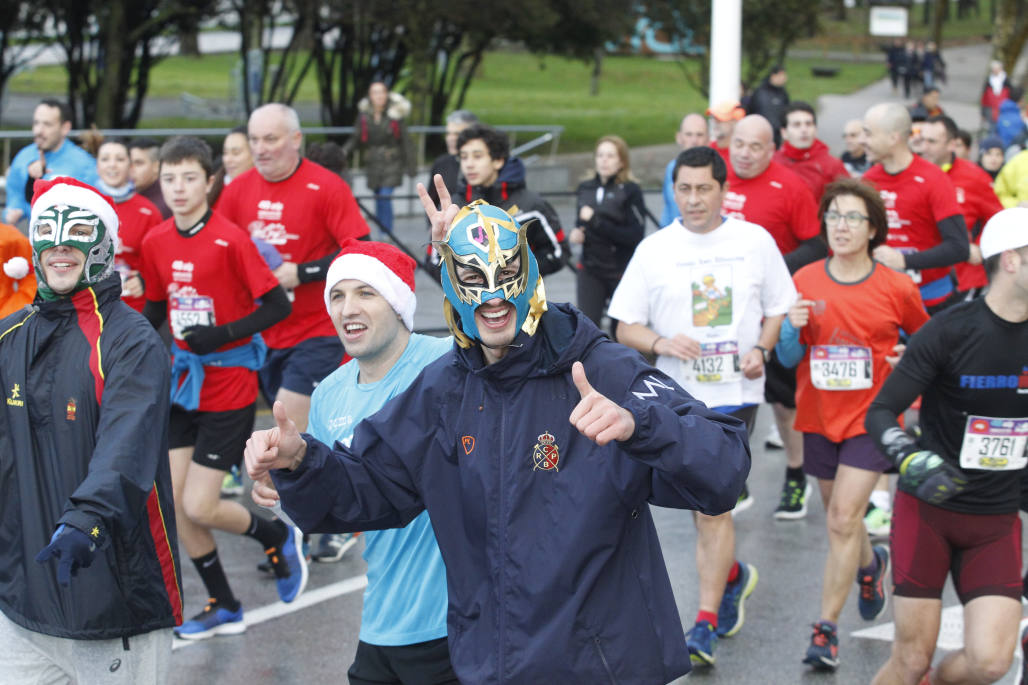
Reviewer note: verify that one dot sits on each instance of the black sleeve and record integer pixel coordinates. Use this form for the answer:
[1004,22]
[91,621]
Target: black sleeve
[952,250]
[155,312]
[315,270]
[805,253]
[275,306]
[898,393]
[545,237]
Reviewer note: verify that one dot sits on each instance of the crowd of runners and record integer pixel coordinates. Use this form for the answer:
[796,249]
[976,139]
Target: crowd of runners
[876,302]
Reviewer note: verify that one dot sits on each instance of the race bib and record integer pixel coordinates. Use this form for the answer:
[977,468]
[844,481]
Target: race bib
[718,363]
[915,274]
[994,444]
[840,367]
[190,310]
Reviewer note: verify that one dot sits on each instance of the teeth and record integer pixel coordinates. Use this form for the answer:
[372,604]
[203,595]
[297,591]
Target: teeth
[494,315]
[354,327]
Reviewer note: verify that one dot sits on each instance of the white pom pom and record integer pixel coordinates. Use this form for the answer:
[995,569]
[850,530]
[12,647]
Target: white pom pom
[16,268]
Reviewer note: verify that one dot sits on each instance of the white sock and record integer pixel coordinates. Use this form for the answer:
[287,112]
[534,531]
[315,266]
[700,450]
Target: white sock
[882,499]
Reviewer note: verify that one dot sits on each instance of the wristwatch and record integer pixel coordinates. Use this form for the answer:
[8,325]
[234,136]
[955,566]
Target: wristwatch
[764,351]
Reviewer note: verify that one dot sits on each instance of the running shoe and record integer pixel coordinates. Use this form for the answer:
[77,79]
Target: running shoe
[878,522]
[213,620]
[289,565]
[773,441]
[232,483]
[823,652]
[701,641]
[732,612]
[332,546]
[872,599]
[745,500]
[793,503]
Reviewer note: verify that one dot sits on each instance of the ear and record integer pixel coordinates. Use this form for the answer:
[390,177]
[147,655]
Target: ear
[65,128]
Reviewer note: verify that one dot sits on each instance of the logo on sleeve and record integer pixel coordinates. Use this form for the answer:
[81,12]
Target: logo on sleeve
[15,399]
[651,384]
[546,454]
[70,409]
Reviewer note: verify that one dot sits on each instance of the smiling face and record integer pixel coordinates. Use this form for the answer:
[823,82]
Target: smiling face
[113,164]
[48,131]
[72,248]
[235,154]
[496,319]
[366,323]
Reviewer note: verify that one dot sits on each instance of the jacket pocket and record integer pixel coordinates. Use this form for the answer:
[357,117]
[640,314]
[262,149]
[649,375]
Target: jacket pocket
[603,660]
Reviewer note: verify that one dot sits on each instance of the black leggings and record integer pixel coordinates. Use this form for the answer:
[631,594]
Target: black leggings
[593,295]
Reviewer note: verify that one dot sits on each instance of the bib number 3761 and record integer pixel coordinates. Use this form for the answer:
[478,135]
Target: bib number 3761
[994,444]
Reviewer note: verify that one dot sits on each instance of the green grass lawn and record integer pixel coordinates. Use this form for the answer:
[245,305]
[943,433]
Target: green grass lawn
[641,99]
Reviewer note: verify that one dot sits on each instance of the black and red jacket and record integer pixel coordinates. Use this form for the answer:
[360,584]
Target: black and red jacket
[84,442]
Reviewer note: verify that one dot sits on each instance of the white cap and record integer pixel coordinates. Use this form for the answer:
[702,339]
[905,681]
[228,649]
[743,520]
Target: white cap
[1006,230]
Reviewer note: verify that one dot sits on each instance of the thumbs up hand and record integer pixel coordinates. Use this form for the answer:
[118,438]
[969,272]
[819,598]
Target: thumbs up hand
[597,417]
[280,447]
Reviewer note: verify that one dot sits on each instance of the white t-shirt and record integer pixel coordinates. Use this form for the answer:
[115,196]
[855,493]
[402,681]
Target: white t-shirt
[714,287]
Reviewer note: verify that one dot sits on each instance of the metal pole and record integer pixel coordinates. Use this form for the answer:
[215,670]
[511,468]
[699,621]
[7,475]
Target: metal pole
[725,50]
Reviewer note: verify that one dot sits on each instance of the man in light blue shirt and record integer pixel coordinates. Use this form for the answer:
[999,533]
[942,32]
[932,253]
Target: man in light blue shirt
[50,154]
[369,293]
[692,132]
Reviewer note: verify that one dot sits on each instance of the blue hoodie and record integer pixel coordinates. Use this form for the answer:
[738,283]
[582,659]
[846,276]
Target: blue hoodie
[554,569]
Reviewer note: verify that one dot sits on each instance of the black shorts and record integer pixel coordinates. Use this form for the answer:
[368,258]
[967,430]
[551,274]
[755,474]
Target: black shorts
[779,383]
[423,663]
[301,367]
[218,438]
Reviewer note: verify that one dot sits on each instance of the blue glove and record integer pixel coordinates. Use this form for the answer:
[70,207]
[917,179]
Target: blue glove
[73,549]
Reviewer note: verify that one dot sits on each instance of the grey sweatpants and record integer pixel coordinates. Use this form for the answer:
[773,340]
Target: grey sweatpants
[30,658]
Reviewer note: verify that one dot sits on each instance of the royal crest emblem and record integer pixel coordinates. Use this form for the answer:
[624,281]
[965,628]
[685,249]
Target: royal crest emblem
[70,409]
[546,454]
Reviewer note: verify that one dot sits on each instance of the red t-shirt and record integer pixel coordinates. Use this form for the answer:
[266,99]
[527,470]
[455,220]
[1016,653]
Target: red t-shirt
[916,200]
[723,151]
[815,165]
[978,202]
[306,217]
[867,315]
[211,277]
[136,216]
[778,200]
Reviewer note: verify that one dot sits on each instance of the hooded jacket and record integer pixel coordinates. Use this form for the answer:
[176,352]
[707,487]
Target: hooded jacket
[84,442]
[615,228]
[545,235]
[554,570]
[815,165]
[389,151]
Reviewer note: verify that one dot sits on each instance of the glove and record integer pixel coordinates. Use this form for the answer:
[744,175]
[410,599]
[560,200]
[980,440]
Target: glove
[205,339]
[929,477]
[16,268]
[73,549]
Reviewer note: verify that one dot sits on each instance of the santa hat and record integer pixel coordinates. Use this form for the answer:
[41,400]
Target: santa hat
[65,190]
[385,268]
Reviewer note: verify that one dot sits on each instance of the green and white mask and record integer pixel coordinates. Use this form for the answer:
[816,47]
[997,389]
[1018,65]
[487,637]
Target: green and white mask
[78,228]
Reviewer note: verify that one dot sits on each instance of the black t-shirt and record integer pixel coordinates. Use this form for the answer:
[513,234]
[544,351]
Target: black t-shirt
[966,361]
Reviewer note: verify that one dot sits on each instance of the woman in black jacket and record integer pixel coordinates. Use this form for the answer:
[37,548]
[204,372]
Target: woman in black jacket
[609,224]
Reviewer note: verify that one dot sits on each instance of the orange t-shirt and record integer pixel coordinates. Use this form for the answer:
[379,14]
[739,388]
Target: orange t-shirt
[848,321]
[15,294]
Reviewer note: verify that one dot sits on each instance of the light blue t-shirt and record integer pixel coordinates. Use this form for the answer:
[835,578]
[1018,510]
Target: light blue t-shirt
[670,211]
[405,601]
[67,160]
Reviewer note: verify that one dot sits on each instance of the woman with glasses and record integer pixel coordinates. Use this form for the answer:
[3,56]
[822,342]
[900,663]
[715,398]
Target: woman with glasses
[842,333]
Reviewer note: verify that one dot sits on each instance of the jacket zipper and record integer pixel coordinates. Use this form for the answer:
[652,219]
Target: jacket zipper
[603,658]
[503,548]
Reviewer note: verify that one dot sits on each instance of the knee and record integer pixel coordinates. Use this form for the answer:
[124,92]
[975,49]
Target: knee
[989,665]
[841,522]
[912,662]
[199,510]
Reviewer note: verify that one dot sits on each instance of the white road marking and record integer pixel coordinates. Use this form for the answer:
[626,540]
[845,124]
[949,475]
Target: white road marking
[951,630]
[307,599]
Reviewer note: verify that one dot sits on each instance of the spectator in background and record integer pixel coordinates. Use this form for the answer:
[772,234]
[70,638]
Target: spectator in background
[990,155]
[895,59]
[927,105]
[381,135]
[136,216]
[50,154]
[962,144]
[908,66]
[447,164]
[803,153]
[692,132]
[331,156]
[996,90]
[770,99]
[145,167]
[609,224]
[933,67]
[235,159]
[855,157]
[1010,125]
[17,283]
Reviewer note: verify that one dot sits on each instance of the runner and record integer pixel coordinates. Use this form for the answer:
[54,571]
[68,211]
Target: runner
[956,509]
[842,333]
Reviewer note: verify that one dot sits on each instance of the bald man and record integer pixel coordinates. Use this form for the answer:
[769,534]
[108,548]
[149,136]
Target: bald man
[692,132]
[927,233]
[307,212]
[764,192]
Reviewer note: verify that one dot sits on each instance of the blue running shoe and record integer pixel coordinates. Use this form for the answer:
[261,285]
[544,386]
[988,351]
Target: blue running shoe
[213,620]
[701,641]
[289,565]
[732,612]
[872,598]
[823,653]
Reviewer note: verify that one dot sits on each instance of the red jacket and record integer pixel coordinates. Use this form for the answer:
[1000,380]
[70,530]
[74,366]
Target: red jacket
[814,165]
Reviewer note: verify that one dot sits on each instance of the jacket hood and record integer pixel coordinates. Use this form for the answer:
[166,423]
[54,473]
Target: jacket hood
[816,150]
[398,106]
[1008,106]
[565,335]
[511,177]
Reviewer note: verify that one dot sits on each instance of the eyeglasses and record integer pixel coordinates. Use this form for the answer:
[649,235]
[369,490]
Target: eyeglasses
[853,219]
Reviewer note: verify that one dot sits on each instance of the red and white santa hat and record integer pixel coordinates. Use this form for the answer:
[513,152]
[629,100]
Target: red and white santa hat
[65,190]
[387,269]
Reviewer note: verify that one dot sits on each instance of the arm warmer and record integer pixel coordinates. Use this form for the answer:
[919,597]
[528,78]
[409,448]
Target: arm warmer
[155,312]
[275,306]
[808,251]
[952,250]
[898,393]
[315,270]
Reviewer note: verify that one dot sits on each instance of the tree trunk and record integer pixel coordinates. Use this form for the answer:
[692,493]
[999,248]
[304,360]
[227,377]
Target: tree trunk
[189,41]
[1009,33]
[113,31]
[594,81]
[939,15]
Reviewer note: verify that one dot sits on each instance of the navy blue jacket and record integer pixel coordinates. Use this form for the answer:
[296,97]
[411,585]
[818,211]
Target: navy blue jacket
[554,569]
[84,442]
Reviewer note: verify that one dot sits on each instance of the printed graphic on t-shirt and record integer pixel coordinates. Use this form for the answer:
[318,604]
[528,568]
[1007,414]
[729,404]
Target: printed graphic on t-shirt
[711,295]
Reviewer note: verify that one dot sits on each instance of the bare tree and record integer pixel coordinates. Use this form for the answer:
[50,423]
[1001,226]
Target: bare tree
[1010,32]
[21,38]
